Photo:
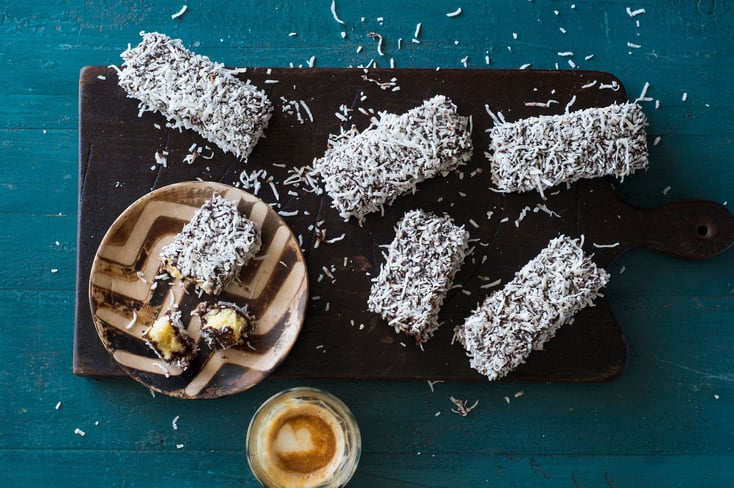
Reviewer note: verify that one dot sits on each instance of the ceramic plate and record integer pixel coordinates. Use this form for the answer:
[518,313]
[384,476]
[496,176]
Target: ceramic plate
[127,293]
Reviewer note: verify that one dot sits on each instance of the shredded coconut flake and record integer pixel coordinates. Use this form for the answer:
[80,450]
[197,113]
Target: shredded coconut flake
[635,13]
[379,38]
[333,13]
[432,383]
[132,321]
[462,409]
[602,246]
[180,13]
[643,94]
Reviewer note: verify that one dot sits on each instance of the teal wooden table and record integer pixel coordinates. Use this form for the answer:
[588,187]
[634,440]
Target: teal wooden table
[666,421]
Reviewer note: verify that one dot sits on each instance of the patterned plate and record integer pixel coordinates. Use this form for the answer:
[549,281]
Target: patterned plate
[127,294]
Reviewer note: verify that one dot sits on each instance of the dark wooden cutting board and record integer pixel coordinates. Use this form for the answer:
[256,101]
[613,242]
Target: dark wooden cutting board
[340,338]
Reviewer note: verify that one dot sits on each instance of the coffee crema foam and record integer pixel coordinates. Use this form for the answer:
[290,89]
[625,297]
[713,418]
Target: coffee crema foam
[302,443]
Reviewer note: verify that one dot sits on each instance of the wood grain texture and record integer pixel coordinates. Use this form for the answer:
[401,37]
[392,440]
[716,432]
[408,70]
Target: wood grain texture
[660,423]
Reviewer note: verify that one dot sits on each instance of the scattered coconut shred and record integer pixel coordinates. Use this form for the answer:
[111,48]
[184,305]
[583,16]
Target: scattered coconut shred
[541,152]
[518,319]
[364,171]
[195,93]
[418,271]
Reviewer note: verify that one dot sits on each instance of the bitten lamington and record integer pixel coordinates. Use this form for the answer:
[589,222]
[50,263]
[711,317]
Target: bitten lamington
[538,153]
[364,171]
[195,93]
[168,339]
[213,247]
[419,269]
[224,324]
[518,319]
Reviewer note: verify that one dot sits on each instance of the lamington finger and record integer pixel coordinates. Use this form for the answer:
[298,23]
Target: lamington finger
[364,171]
[518,319]
[213,247]
[538,153]
[418,271]
[195,93]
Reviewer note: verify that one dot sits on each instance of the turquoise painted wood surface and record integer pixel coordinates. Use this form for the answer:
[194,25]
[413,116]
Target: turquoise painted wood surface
[666,421]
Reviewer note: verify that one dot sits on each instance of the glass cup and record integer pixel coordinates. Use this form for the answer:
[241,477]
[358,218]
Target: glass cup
[303,437]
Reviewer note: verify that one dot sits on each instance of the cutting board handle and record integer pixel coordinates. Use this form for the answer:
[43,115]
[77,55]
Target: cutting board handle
[692,229]
[695,229]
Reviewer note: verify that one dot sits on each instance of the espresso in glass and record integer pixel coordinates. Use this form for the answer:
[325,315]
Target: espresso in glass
[303,437]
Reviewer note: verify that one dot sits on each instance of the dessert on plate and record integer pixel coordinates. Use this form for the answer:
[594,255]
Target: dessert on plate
[213,247]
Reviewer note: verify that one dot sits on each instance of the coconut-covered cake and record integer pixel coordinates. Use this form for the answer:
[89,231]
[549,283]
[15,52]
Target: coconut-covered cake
[518,319]
[538,153]
[363,171]
[195,93]
[418,271]
[212,248]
